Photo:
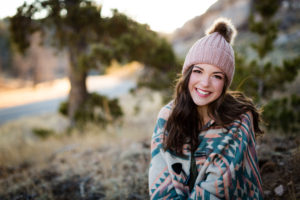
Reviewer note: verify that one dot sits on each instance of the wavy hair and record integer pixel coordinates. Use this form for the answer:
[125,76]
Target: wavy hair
[183,123]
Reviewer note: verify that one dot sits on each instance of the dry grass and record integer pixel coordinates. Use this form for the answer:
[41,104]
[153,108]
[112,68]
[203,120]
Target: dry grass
[92,163]
[279,165]
[18,143]
[112,163]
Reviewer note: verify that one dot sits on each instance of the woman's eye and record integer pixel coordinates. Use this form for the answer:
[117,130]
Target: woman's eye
[218,77]
[197,71]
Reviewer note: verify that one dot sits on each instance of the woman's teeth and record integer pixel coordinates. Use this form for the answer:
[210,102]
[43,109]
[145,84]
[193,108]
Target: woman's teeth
[202,92]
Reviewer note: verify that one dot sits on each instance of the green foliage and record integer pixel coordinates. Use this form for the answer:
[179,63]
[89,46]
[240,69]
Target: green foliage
[92,41]
[21,26]
[97,108]
[42,132]
[267,8]
[244,79]
[283,114]
[5,48]
[260,77]
[63,108]
[74,23]
[127,40]
[248,76]
[263,24]
[163,81]
[268,32]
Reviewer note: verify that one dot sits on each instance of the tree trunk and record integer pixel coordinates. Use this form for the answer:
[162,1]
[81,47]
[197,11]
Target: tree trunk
[260,88]
[78,92]
[261,83]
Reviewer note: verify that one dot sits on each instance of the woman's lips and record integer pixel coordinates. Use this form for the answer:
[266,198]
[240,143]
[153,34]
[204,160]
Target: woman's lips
[202,93]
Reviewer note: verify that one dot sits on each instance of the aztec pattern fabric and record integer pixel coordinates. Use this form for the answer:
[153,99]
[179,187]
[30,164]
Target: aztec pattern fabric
[226,162]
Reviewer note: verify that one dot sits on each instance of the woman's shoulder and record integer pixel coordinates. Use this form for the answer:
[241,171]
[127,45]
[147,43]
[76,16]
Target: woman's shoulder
[243,122]
[243,125]
[243,118]
[247,119]
[166,110]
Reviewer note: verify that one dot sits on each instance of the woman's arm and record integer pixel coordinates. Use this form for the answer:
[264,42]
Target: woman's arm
[164,182]
[231,170]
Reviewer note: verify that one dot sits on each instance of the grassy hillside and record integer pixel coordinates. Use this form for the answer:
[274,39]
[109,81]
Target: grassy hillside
[91,163]
[112,163]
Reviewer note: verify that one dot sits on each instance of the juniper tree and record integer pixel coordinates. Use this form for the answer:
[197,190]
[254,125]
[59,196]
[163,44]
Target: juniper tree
[91,40]
[261,77]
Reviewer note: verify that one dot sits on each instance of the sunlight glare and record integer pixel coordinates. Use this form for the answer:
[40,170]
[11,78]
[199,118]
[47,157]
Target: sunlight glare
[164,16]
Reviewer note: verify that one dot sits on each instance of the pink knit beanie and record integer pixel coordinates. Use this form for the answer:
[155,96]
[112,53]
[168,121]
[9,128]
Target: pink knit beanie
[214,48]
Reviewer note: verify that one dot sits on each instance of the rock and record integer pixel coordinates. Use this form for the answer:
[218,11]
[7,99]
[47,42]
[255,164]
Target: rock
[238,11]
[279,190]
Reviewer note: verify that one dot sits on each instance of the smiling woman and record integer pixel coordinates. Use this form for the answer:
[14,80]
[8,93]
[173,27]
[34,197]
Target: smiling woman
[205,85]
[203,145]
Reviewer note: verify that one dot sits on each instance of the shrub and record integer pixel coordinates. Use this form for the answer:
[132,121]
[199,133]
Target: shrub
[42,132]
[97,108]
[283,114]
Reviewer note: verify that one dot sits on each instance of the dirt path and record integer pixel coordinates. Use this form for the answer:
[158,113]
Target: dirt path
[11,96]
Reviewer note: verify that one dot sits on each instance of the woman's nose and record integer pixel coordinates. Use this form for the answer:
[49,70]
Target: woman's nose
[205,81]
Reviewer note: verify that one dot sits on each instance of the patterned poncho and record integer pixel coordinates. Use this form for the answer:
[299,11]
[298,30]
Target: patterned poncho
[225,158]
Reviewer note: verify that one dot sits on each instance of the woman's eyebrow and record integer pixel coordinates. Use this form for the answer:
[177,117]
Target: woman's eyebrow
[198,67]
[218,73]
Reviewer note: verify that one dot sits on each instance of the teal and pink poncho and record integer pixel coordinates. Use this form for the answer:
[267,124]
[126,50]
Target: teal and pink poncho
[225,158]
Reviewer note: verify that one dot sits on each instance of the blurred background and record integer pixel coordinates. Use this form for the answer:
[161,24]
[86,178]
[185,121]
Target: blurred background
[82,82]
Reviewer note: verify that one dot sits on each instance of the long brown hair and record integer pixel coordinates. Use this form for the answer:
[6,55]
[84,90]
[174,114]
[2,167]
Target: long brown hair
[184,123]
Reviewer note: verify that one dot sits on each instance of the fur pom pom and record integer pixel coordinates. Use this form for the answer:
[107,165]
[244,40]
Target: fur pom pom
[225,28]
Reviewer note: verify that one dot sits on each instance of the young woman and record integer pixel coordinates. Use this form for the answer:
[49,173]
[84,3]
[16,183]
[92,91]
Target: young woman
[203,145]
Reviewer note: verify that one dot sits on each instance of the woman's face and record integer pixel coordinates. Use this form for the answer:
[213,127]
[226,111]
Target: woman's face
[206,84]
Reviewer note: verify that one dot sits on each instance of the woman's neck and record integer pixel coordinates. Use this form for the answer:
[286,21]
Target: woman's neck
[204,114]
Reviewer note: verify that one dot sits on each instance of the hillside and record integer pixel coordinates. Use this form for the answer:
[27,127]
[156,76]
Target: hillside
[238,11]
[41,158]
[111,164]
